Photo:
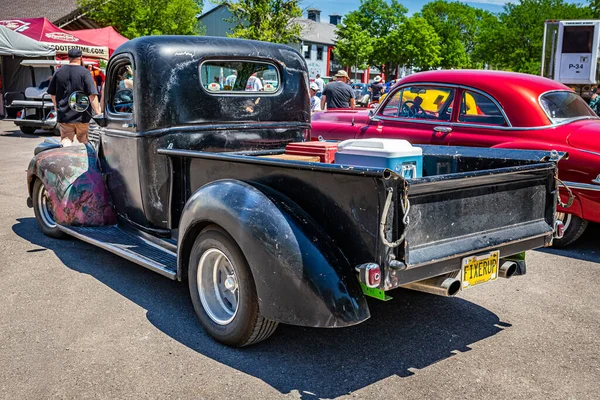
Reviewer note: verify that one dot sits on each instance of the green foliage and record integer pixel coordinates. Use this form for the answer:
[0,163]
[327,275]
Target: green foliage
[380,34]
[266,20]
[133,18]
[459,27]
[354,45]
[514,42]
[415,44]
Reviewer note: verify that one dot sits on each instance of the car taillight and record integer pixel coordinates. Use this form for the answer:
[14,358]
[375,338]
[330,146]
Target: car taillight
[19,113]
[369,274]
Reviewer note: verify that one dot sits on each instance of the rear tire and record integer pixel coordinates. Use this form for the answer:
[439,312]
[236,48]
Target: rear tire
[574,228]
[44,214]
[28,130]
[223,292]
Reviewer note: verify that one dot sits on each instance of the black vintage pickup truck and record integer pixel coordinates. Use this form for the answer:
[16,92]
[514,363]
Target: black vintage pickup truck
[181,179]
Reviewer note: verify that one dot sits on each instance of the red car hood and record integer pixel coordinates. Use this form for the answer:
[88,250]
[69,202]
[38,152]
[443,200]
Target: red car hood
[343,116]
[586,136]
[339,124]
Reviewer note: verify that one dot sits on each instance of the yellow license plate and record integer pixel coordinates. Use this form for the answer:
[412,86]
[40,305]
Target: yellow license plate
[479,269]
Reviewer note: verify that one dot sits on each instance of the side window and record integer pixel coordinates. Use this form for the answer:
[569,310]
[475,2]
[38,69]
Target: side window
[476,108]
[427,102]
[122,87]
[390,109]
[239,76]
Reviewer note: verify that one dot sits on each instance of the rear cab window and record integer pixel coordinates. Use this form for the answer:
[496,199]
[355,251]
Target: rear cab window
[241,77]
[420,103]
[477,108]
[564,105]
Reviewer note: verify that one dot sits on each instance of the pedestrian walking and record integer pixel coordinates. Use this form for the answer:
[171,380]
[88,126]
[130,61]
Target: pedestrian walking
[320,82]
[595,100]
[338,94]
[376,88]
[71,78]
[315,102]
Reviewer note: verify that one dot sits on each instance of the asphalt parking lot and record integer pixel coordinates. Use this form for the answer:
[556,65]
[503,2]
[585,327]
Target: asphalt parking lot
[78,322]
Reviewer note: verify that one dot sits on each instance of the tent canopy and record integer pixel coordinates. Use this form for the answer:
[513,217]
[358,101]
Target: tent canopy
[45,32]
[108,37]
[14,44]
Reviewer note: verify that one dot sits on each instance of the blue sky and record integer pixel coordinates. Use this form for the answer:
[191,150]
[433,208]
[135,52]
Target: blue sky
[342,7]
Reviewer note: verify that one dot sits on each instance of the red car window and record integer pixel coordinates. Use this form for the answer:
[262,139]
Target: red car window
[420,103]
[476,108]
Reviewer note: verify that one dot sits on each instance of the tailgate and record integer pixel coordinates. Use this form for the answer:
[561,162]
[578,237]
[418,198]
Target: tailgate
[460,215]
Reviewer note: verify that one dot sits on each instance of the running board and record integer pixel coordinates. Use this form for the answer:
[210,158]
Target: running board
[128,246]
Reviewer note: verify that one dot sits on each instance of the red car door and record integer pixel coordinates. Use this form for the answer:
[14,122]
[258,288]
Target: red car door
[419,113]
[480,121]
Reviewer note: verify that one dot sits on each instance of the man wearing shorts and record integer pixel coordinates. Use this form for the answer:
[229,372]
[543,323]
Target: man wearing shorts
[68,79]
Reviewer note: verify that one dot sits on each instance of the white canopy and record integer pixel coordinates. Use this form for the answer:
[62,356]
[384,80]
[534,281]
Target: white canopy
[15,44]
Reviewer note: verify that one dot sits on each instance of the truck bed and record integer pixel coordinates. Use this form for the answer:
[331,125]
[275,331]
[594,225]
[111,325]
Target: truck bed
[469,201]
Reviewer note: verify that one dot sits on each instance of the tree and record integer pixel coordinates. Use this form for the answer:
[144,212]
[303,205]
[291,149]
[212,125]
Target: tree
[458,25]
[514,42]
[354,45]
[133,18]
[414,44]
[370,25]
[266,20]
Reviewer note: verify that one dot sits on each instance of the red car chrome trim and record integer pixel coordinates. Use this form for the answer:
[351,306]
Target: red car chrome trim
[583,186]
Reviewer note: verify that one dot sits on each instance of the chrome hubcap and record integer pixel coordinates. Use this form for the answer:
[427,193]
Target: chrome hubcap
[45,207]
[217,286]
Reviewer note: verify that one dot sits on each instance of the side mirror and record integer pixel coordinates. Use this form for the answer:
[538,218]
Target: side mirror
[79,102]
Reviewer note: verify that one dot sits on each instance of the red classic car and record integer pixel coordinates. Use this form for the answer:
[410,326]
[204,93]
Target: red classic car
[488,109]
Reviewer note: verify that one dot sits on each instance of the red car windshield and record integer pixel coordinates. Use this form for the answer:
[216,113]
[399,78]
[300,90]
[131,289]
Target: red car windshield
[563,105]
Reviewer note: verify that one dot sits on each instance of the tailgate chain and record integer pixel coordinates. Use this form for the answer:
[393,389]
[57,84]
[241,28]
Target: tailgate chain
[571,195]
[405,204]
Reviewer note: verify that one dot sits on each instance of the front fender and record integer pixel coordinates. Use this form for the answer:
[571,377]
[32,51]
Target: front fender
[301,277]
[74,185]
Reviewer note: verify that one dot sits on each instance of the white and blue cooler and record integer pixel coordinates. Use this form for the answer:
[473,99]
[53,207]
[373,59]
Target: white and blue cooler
[396,154]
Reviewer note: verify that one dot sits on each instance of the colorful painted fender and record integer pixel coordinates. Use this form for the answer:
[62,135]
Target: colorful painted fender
[73,181]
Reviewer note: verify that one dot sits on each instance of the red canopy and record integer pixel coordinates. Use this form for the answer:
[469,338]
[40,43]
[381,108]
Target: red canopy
[45,32]
[108,37]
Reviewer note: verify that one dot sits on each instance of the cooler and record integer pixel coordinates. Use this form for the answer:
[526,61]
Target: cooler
[395,154]
[325,150]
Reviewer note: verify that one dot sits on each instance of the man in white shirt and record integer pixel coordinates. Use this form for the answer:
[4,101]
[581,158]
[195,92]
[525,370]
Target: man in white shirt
[320,83]
[254,84]
[315,102]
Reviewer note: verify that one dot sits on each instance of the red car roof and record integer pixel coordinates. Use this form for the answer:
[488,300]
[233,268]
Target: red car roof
[517,93]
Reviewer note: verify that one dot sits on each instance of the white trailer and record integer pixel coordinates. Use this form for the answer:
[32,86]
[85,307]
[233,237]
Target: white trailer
[570,53]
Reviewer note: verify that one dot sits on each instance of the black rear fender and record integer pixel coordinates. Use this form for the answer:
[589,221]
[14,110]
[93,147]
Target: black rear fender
[301,278]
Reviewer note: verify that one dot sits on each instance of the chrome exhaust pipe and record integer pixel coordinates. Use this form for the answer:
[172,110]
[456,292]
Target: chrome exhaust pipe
[440,285]
[507,269]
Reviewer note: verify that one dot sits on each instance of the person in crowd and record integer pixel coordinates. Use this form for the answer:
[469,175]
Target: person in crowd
[230,81]
[376,88]
[338,94]
[254,84]
[97,75]
[68,79]
[320,83]
[595,100]
[124,76]
[315,102]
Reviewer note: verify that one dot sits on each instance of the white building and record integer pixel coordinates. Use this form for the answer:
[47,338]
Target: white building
[317,39]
